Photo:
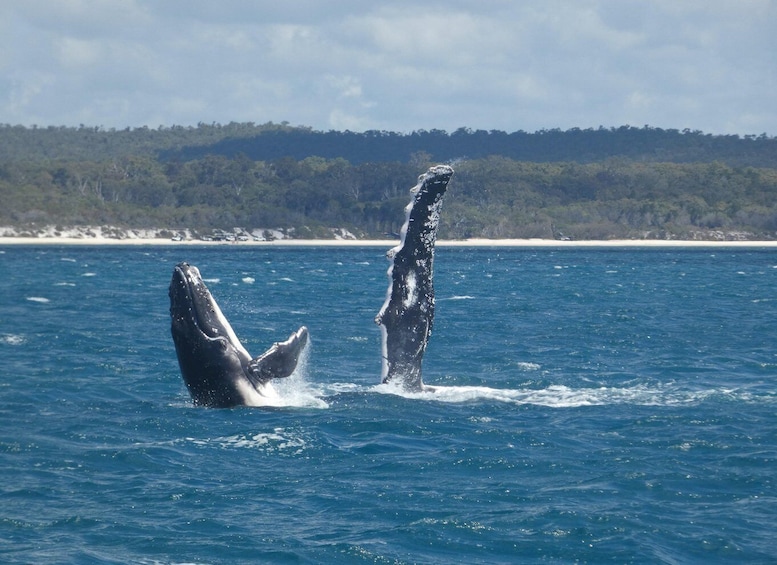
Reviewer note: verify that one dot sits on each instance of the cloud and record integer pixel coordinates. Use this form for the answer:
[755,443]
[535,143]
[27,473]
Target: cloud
[396,65]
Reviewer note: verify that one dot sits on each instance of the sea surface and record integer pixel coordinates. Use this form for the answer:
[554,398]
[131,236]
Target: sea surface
[610,405]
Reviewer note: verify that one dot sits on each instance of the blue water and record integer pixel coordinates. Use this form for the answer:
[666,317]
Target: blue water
[596,405]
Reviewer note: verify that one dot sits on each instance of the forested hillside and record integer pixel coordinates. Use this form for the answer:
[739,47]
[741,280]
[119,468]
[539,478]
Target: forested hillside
[598,183]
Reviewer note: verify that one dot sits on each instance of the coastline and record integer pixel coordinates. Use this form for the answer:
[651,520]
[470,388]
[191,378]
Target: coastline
[388,243]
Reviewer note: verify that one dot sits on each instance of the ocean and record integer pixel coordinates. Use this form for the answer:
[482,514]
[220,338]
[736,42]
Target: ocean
[595,405]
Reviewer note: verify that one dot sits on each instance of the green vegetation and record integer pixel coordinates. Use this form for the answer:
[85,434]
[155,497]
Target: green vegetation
[585,184]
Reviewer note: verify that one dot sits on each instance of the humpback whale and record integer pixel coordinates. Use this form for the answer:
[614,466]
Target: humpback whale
[217,369]
[406,317]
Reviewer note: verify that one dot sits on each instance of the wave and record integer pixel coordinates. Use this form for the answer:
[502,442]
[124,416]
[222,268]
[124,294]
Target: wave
[279,440]
[297,392]
[12,339]
[560,396]
[39,299]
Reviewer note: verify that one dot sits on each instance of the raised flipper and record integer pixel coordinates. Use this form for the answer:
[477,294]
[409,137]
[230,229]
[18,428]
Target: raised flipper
[407,316]
[280,360]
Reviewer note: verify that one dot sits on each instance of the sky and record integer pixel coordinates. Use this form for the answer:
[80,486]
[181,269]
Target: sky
[402,65]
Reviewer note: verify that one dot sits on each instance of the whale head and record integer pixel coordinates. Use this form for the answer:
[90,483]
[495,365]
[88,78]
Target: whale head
[217,369]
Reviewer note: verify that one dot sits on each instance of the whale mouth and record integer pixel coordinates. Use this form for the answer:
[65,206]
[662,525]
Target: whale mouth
[186,301]
[193,306]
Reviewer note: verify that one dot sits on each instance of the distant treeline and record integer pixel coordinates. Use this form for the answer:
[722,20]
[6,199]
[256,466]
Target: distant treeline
[582,146]
[595,183]
[271,141]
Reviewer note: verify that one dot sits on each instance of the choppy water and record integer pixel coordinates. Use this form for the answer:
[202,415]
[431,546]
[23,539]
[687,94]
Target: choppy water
[611,405]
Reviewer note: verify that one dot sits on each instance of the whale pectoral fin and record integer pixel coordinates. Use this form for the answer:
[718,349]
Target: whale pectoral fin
[407,315]
[280,360]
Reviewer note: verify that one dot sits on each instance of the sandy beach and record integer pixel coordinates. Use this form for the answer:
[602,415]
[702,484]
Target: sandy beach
[340,237]
[387,243]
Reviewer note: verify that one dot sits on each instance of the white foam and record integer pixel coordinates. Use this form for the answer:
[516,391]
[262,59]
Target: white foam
[12,339]
[39,299]
[279,440]
[559,396]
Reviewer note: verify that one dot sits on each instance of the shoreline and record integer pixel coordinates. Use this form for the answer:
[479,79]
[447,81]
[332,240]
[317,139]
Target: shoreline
[388,243]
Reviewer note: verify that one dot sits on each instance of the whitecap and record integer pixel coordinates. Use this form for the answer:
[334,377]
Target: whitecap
[561,396]
[279,440]
[39,299]
[249,280]
[89,274]
[12,339]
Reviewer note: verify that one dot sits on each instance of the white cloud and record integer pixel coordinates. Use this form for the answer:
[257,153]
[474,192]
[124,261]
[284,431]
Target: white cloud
[395,65]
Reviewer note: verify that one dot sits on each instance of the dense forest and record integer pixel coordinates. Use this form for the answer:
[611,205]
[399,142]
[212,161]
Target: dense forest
[600,183]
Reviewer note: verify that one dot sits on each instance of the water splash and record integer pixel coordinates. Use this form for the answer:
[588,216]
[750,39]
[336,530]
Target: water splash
[296,390]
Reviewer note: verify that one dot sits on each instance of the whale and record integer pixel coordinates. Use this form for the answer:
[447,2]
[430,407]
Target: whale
[407,314]
[216,368]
